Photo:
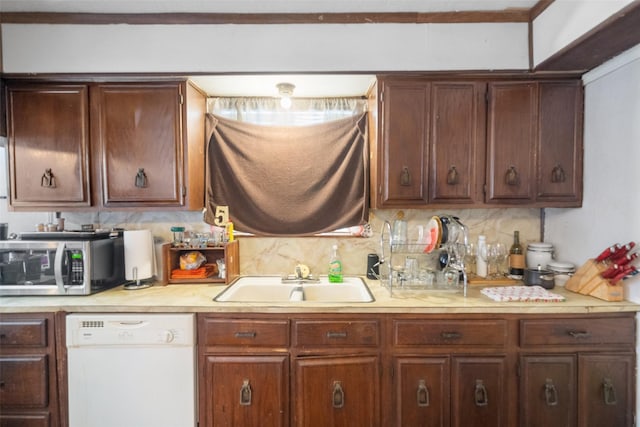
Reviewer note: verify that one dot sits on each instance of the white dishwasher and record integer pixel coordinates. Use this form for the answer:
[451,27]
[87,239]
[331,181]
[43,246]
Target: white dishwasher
[131,370]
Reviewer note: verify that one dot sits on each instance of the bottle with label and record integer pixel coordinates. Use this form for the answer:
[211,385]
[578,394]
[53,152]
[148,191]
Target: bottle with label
[516,257]
[335,266]
[481,260]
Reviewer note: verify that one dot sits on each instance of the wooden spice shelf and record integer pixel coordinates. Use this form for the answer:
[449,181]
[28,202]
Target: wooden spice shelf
[230,252]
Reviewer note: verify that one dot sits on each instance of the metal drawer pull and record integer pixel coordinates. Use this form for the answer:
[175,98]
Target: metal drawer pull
[245,393]
[452,176]
[247,334]
[480,394]
[579,334]
[331,334]
[338,395]
[48,180]
[405,177]
[557,174]
[141,178]
[550,393]
[511,176]
[422,394]
[451,335]
[609,392]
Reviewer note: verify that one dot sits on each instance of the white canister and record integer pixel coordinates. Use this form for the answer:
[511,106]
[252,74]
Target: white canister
[562,271]
[539,254]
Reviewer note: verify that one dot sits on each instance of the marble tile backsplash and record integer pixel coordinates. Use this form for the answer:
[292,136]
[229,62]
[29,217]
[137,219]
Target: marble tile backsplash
[278,255]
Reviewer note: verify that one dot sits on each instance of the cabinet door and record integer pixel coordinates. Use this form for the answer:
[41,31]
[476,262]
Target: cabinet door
[402,165]
[560,143]
[140,143]
[421,391]
[606,390]
[337,391]
[48,136]
[511,138]
[548,391]
[457,142]
[246,391]
[478,392]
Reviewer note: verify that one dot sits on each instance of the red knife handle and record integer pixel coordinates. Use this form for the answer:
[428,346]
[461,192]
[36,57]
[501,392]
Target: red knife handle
[625,259]
[629,269]
[622,251]
[612,271]
[608,252]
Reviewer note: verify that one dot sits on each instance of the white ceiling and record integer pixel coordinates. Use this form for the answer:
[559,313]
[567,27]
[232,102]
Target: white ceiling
[259,6]
[265,85]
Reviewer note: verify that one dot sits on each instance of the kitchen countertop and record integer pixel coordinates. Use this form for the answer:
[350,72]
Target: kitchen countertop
[199,298]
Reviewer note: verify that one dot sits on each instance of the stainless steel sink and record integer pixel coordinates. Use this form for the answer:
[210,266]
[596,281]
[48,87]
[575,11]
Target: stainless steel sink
[272,289]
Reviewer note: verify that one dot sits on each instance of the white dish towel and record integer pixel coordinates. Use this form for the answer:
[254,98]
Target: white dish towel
[521,294]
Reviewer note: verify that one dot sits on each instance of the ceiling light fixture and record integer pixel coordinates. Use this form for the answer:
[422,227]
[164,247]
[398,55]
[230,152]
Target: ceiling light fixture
[285,90]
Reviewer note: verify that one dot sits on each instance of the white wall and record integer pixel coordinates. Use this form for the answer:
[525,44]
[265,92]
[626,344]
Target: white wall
[611,205]
[40,48]
[566,20]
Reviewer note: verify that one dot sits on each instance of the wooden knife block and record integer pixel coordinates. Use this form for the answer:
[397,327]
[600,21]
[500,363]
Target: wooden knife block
[587,281]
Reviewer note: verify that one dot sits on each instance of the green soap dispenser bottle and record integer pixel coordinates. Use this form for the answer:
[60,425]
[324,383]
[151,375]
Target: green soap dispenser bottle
[335,266]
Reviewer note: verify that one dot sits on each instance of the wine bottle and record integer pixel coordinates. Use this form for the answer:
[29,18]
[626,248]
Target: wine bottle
[516,257]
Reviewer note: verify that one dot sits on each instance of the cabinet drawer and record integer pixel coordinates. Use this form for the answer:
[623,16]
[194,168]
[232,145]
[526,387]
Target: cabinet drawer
[450,332]
[23,333]
[577,331]
[24,381]
[310,333]
[245,332]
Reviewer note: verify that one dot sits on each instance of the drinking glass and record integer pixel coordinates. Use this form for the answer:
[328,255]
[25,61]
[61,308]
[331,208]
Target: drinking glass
[470,254]
[501,254]
[487,253]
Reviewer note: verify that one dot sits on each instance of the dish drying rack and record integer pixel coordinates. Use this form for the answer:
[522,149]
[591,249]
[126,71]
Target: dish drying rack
[427,275]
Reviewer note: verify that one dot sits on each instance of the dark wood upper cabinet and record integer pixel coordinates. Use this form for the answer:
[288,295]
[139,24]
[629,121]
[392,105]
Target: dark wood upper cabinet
[457,142]
[478,143]
[138,135]
[403,149]
[116,145]
[511,140]
[560,145]
[48,140]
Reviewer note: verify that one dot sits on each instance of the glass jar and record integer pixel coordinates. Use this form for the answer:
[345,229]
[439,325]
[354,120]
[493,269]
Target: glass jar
[539,255]
[178,236]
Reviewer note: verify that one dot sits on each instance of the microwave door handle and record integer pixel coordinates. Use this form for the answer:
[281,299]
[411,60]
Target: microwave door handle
[57,267]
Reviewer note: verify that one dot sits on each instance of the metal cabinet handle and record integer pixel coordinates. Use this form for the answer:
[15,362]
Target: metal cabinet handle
[452,176]
[557,174]
[48,180]
[609,392]
[550,393]
[512,177]
[332,334]
[579,334]
[405,177]
[422,394]
[243,334]
[480,394]
[337,397]
[141,178]
[245,393]
[451,335]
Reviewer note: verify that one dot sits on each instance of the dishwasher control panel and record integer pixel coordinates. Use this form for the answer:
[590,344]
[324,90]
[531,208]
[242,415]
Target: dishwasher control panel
[130,329]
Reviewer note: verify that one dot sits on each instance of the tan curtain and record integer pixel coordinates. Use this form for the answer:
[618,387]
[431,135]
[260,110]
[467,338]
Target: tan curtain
[288,181]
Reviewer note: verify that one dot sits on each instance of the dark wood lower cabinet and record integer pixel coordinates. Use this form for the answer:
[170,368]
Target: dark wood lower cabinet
[247,390]
[421,395]
[548,391]
[28,373]
[417,370]
[336,391]
[478,391]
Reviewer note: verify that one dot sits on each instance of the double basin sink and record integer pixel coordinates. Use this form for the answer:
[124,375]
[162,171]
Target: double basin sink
[275,289]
